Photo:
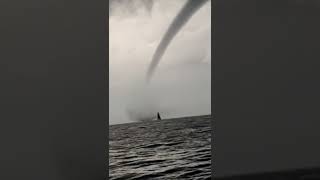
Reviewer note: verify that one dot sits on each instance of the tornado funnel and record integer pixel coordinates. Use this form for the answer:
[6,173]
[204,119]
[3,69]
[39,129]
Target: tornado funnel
[182,18]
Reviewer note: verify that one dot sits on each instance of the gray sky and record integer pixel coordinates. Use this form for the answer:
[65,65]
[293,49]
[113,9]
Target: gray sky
[181,85]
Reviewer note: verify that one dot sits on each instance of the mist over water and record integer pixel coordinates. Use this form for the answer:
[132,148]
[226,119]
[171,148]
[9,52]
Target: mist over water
[181,86]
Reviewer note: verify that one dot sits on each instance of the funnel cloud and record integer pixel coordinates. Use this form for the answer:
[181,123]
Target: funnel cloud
[183,85]
[184,15]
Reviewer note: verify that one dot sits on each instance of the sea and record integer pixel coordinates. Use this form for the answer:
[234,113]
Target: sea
[168,149]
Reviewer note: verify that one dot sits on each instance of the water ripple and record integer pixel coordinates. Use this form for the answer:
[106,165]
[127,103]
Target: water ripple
[168,149]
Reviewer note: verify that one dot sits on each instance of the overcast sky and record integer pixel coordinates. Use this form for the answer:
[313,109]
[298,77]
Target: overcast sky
[181,85]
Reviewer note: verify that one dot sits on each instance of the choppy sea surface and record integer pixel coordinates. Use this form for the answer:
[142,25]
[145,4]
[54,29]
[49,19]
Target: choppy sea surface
[176,149]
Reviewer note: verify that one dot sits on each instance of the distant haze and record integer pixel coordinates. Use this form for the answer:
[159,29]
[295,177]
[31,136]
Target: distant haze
[181,85]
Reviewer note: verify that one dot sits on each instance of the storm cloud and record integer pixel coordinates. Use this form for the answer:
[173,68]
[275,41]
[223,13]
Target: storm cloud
[181,86]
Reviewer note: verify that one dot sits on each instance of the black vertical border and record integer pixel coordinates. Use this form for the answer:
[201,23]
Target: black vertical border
[213,98]
[107,93]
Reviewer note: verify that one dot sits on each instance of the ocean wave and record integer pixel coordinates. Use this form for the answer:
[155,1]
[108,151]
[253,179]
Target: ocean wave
[167,149]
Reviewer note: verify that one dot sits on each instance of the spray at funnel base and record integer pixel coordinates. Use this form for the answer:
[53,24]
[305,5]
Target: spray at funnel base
[183,16]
